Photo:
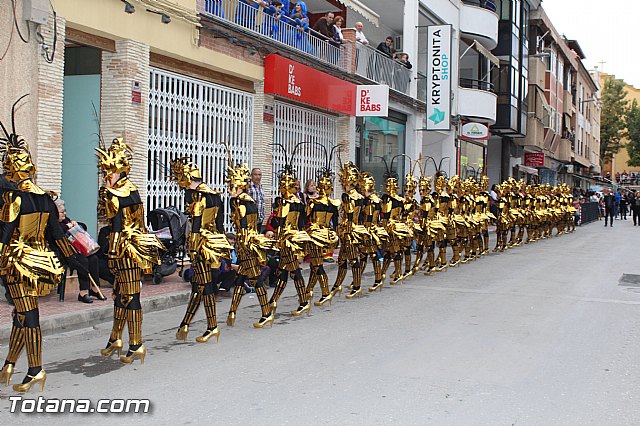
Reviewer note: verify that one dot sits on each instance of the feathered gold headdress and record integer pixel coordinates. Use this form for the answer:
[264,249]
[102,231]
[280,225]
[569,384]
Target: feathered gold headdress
[116,159]
[184,172]
[16,158]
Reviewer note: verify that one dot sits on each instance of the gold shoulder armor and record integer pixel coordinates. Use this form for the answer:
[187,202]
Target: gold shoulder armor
[11,207]
[335,202]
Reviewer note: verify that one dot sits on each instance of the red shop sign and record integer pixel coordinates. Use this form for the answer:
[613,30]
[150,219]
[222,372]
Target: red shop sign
[293,80]
[534,159]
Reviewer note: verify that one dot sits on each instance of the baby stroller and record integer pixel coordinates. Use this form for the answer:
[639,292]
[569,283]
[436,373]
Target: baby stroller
[170,226]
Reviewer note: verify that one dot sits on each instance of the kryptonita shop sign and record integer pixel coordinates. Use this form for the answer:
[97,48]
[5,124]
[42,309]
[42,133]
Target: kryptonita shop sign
[439,77]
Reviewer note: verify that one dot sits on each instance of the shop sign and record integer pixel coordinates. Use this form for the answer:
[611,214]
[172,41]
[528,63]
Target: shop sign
[267,115]
[293,80]
[570,168]
[534,159]
[136,92]
[439,77]
[476,131]
[372,101]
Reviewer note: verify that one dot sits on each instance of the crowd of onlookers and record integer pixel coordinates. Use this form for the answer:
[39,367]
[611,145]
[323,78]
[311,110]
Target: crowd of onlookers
[625,178]
[290,23]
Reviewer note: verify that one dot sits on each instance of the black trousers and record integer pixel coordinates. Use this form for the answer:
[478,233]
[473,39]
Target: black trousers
[609,213]
[636,215]
[85,266]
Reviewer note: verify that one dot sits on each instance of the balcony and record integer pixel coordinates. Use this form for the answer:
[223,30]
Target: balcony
[375,66]
[285,31]
[564,151]
[537,72]
[476,101]
[535,133]
[569,109]
[479,21]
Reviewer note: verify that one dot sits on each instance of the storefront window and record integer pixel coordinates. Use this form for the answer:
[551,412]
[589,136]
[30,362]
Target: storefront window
[384,138]
[471,159]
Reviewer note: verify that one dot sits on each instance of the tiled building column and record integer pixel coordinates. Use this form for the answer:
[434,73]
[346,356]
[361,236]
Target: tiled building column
[120,116]
[50,97]
[262,140]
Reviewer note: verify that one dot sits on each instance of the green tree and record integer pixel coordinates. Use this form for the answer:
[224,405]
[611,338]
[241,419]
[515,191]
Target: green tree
[612,119]
[633,134]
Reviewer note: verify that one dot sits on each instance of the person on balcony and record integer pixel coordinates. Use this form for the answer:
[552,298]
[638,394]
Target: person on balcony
[271,24]
[386,47]
[324,26]
[402,80]
[360,37]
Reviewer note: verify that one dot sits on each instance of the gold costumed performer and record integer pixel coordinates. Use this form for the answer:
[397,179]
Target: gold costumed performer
[131,250]
[251,244]
[376,236]
[28,264]
[442,199]
[322,212]
[484,213]
[208,245]
[409,212]
[430,227]
[291,239]
[395,225]
[351,232]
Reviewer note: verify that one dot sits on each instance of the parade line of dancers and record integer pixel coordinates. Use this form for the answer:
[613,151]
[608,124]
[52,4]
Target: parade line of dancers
[367,227]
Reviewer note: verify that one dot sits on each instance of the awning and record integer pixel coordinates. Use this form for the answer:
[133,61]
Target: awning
[527,169]
[487,53]
[363,10]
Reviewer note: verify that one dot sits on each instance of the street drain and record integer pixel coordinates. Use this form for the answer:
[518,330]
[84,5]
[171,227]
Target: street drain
[629,280]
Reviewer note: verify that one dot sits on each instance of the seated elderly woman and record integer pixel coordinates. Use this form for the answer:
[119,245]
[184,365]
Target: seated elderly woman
[87,266]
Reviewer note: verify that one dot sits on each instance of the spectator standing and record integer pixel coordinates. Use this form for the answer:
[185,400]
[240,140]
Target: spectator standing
[635,208]
[609,207]
[324,26]
[623,207]
[618,197]
[360,37]
[386,47]
[257,193]
[338,22]
[310,190]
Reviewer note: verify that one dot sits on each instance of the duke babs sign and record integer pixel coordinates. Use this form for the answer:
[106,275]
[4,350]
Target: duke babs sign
[439,77]
[372,101]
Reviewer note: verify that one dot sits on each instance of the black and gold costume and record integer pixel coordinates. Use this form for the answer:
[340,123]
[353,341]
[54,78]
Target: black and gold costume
[322,213]
[207,245]
[442,200]
[376,236]
[396,227]
[131,250]
[29,266]
[251,245]
[351,232]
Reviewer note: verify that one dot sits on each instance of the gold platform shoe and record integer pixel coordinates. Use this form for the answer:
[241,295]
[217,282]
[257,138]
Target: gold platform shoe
[264,321]
[355,292]
[141,352]
[182,333]
[302,309]
[231,319]
[208,335]
[114,346]
[41,377]
[6,373]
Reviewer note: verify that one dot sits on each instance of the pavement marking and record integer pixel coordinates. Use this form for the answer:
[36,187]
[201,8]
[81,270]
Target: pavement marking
[546,296]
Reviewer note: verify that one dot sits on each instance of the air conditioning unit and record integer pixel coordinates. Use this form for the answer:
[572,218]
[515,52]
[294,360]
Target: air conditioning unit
[397,43]
[36,11]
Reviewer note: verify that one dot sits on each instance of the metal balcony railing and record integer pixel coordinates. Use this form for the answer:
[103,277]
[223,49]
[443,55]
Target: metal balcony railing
[470,83]
[374,65]
[292,33]
[422,87]
[485,4]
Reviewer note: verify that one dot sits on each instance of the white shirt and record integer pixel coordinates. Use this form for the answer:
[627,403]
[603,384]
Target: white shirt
[493,195]
[361,38]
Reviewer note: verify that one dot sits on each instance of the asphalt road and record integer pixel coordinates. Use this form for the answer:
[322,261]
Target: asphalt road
[542,334]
